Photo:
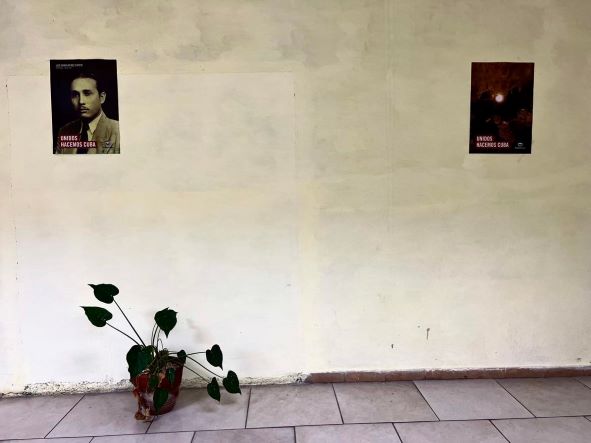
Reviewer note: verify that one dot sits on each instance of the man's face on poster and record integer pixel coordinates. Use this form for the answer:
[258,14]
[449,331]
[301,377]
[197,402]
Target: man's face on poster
[86,98]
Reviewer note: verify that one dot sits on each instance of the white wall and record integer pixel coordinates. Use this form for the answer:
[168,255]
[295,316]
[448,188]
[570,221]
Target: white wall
[315,208]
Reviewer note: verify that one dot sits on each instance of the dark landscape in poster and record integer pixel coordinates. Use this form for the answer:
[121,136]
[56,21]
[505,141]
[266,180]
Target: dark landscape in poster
[501,108]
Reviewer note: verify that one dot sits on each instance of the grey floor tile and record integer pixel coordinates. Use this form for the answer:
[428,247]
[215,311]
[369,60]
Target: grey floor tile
[33,417]
[382,402]
[546,430]
[364,433]
[267,435]
[167,437]
[101,414]
[470,399]
[585,380]
[53,440]
[276,406]
[196,411]
[479,431]
[551,397]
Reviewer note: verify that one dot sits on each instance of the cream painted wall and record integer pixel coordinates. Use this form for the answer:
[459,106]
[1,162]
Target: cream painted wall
[315,208]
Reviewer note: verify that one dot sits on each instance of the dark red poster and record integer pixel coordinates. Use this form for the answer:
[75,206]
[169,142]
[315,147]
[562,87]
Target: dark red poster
[501,108]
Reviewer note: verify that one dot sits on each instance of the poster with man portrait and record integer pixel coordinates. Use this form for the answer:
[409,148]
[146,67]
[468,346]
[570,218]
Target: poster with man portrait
[501,108]
[84,106]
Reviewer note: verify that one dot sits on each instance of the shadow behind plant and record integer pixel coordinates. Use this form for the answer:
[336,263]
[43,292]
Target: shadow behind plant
[154,359]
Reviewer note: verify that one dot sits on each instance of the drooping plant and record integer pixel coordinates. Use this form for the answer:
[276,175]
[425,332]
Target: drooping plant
[153,359]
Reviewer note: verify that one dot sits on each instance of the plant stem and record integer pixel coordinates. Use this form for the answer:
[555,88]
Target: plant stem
[131,338]
[194,372]
[138,335]
[153,336]
[205,367]
[192,353]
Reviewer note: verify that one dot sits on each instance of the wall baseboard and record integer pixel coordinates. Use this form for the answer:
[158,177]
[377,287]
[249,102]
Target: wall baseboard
[100,387]
[448,374]
[54,388]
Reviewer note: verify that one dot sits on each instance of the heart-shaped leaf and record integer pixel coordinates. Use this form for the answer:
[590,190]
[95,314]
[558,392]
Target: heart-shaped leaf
[165,319]
[182,356]
[170,372]
[160,397]
[97,316]
[138,359]
[105,292]
[214,356]
[213,389]
[231,383]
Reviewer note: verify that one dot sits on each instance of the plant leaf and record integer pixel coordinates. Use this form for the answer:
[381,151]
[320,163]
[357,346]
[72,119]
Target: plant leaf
[153,383]
[231,383]
[182,356]
[165,319]
[213,389]
[214,356]
[138,358]
[170,373]
[97,316]
[160,397]
[105,292]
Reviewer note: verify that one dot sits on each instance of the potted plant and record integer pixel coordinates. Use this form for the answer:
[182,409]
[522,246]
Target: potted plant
[155,371]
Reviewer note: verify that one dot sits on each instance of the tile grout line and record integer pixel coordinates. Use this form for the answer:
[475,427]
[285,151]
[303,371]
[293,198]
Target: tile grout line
[151,421]
[495,426]
[193,437]
[150,425]
[432,410]
[381,422]
[537,416]
[295,437]
[338,405]
[588,387]
[397,433]
[515,398]
[137,434]
[50,431]
[248,406]
[199,431]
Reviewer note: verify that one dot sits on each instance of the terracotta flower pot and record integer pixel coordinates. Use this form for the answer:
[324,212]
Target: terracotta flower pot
[145,395]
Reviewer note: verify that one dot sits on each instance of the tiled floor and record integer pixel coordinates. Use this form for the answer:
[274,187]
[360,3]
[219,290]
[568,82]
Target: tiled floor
[553,410]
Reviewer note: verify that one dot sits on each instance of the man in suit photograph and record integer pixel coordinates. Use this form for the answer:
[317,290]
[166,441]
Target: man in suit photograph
[92,125]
